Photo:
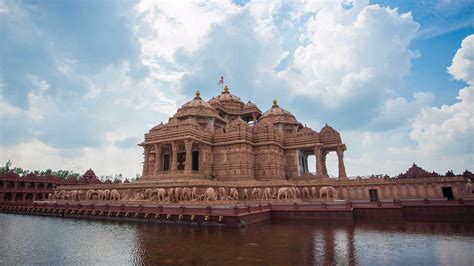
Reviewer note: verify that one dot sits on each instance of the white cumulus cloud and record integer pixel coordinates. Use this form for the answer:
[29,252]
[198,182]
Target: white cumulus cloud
[462,67]
[451,127]
[349,53]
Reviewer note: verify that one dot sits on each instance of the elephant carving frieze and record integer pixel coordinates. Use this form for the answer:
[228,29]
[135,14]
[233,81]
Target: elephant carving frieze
[199,194]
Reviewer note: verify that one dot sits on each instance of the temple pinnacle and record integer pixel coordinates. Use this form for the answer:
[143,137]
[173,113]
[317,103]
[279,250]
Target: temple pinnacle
[275,103]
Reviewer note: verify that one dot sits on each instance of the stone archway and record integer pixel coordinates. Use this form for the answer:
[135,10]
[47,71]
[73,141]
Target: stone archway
[29,197]
[39,196]
[41,186]
[387,193]
[50,186]
[1,184]
[10,184]
[395,191]
[8,197]
[403,191]
[21,185]
[19,197]
[196,157]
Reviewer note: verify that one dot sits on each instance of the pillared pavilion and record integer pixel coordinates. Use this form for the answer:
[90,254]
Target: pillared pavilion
[227,139]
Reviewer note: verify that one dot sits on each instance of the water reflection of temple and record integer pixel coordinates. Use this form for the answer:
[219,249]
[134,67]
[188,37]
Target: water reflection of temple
[294,243]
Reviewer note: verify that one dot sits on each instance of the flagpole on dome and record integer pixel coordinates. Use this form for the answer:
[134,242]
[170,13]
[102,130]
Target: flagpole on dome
[221,82]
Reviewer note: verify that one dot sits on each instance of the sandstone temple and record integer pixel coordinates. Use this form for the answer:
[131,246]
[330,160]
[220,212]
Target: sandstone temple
[225,162]
[227,139]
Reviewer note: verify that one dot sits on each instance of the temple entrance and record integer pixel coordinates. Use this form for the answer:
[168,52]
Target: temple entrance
[302,157]
[195,163]
[8,197]
[166,162]
[448,193]
[181,160]
[373,195]
[19,197]
[29,196]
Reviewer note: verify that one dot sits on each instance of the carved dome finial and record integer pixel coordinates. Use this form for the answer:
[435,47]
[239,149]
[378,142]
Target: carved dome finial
[226,89]
[198,95]
[275,103]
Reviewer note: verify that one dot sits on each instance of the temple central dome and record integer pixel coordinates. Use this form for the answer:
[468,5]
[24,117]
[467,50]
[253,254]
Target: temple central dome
[227,100]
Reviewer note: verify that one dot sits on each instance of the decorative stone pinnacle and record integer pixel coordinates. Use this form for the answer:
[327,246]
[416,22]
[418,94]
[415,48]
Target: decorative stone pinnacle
[275,103]
[226,89]
[198,94]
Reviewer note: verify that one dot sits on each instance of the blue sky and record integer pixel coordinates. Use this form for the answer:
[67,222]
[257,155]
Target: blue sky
[82,81]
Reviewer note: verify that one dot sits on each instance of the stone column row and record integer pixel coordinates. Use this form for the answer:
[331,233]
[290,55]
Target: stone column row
[173,160]
[188,145]
[146,161]
[157,167]
[318,151]
[340,159]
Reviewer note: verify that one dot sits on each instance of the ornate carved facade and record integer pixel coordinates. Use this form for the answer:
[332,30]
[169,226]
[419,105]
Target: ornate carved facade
[227,139]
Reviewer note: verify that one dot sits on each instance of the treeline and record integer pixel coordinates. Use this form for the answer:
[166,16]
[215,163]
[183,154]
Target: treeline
[62,174]
[119,178]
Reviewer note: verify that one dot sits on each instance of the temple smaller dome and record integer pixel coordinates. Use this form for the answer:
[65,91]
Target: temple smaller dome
[329,135]
[196,107]
[89,177]
[279,115]
[89,174]
[250,105]
[157,127]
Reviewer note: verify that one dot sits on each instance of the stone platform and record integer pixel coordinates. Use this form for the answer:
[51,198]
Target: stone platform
[242,214]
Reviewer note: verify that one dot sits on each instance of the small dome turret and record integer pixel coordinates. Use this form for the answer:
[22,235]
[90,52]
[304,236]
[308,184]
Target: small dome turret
[276,114]
[196,107]
[329,135]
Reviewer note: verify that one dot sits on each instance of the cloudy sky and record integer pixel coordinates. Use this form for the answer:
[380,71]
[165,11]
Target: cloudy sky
[82,81]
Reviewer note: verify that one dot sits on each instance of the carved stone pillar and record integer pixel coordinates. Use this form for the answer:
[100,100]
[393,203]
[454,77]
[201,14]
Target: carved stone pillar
[145,162]
[319,161]
[157,158]
[325,169]
[188,144]
[342,168]
[174,156]
[202,158]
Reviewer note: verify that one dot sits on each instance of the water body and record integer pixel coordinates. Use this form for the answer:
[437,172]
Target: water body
[27,240]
